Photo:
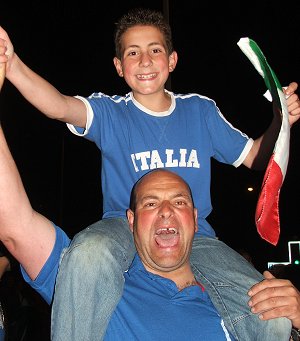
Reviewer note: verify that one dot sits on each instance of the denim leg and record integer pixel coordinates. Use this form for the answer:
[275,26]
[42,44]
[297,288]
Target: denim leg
[2,334]
[90,281]
[227,277]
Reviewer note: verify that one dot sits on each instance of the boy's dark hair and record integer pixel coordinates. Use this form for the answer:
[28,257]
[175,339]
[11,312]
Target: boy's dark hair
[145,17]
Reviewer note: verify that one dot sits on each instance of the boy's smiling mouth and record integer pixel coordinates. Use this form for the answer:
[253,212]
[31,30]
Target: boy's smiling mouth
[146,76]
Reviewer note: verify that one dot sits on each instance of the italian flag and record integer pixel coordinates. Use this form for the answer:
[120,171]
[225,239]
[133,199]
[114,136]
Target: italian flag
[267,209]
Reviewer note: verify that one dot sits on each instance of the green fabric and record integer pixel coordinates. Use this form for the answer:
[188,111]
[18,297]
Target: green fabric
[264,68]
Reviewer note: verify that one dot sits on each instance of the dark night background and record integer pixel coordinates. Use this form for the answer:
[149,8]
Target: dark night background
[71,45]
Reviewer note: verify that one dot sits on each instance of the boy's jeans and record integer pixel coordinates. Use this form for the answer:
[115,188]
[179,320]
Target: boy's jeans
[90,283]
[227,277]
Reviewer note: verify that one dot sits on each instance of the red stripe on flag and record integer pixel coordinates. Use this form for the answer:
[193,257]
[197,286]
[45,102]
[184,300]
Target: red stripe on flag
[267,209]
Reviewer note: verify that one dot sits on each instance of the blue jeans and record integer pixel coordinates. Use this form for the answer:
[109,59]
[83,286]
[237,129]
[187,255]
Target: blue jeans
[90,283]
[227,277]
[2,334]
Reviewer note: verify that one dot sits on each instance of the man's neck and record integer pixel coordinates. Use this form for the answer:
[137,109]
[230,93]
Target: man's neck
[187,284]
[183,277]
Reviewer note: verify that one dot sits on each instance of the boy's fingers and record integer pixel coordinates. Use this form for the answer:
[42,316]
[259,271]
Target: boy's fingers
[2,74]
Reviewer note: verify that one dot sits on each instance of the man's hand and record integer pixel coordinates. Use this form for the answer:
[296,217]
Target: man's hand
[272,298]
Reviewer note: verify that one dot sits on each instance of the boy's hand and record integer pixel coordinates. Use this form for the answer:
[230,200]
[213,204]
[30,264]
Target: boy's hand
[6,48]
[274,297]
[2,74]
[293,102]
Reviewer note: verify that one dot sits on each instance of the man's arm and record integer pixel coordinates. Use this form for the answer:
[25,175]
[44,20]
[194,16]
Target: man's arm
[27,235]
[262,148]
[40,93]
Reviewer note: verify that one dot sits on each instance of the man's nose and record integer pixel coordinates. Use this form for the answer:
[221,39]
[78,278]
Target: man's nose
[166,209]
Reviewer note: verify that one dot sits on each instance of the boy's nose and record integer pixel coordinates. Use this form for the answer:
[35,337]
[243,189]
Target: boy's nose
[145,60]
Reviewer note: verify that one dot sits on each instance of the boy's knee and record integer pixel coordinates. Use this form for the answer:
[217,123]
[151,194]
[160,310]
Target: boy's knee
[94,251]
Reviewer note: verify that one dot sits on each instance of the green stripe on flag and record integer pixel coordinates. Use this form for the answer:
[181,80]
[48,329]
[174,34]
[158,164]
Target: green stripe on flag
[255,55]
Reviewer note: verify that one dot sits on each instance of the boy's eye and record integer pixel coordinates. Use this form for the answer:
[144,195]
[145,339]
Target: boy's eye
[132,53]
[180,203]
[156,50]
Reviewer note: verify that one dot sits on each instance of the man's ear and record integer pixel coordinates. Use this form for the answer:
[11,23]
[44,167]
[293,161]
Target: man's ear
[130,218]
[196,219]
[118,66]
[173,58]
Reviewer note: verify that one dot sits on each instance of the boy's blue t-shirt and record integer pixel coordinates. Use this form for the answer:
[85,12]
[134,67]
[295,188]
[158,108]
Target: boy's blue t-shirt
[134,140]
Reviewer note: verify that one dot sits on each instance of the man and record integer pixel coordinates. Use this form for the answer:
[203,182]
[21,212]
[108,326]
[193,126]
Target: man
[162,299]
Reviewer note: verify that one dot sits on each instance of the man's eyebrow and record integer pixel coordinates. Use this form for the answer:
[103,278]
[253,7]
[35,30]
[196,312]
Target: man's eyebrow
[185,195]
[182,195]
[148,197]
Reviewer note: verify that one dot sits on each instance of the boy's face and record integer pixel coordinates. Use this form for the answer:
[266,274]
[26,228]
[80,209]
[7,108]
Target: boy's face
[145,62]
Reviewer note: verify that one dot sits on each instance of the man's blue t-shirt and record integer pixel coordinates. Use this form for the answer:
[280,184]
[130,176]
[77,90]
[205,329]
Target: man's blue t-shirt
[151,307]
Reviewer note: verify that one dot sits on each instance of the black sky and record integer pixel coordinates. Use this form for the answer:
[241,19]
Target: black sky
[71,45]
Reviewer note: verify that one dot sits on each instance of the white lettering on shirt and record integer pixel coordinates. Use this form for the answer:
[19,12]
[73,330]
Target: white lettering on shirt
[152,159]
